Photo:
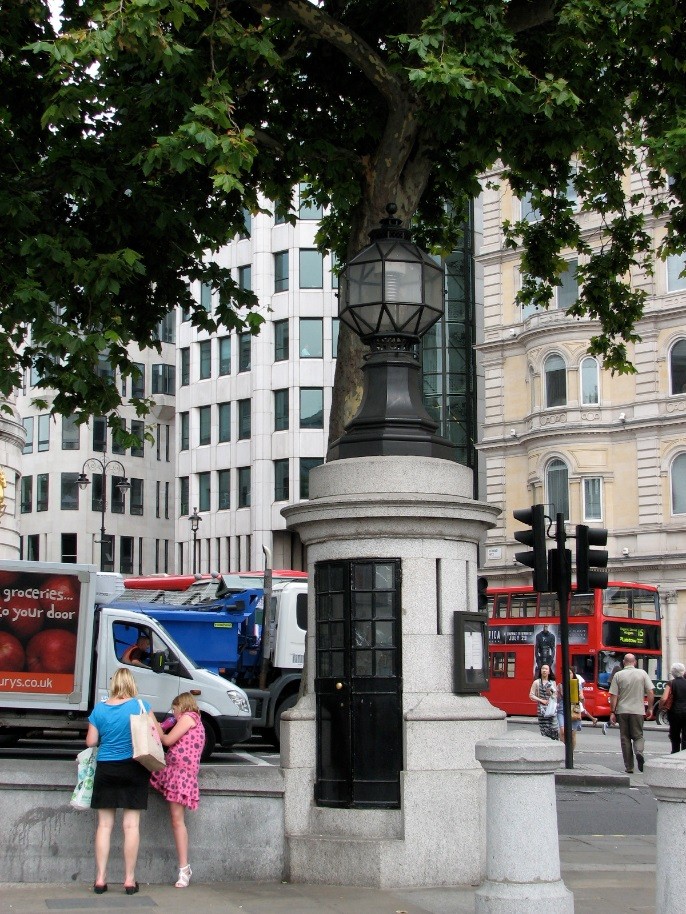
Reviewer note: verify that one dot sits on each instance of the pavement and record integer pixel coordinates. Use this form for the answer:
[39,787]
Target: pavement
[603,872]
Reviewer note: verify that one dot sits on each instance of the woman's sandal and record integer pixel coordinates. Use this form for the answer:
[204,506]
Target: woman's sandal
[185,874]
[131,889]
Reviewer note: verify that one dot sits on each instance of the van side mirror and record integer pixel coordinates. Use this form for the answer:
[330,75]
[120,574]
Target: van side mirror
[157,662]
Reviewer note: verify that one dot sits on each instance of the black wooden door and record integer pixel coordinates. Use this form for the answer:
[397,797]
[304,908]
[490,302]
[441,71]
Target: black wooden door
[358,683]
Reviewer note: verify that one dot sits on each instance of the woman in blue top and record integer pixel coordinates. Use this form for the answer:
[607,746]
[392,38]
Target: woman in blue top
[120,782]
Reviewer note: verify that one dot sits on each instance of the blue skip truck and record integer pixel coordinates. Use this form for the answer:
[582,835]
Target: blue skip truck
[226,635]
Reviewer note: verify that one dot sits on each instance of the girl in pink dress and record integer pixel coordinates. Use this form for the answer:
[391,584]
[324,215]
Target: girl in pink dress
[184,737]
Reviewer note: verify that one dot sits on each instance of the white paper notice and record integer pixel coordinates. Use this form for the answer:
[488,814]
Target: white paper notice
[473,650]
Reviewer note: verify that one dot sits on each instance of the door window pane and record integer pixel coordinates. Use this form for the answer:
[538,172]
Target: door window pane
[224,355]
[311,264]
[224,422]
[311,407]
[281,480]
[205,352]
[307,464]
[42,491]
[244,487]
[243,419]
[555,381]
[679,485]
[677,365]
[592,499]
[204,425]
[311,337]
[281,271]
[589,382]
[224,489]
[557,486]
[69,495]
[280,340]
[71,434]
[204,491]
[281,408]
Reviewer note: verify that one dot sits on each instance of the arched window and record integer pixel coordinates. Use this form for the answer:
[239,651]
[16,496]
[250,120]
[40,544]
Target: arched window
[555,372]
[557,487]
[679,485]
[677,368]
[590,394]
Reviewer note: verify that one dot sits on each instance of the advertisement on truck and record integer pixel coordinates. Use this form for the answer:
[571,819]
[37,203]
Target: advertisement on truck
[39,618]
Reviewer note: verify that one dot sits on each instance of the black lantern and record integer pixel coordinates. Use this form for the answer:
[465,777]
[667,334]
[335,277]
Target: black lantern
[390,294]
[195,519]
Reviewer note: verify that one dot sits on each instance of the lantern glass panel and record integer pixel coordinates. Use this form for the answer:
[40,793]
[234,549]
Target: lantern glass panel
[364,282]
[403,282]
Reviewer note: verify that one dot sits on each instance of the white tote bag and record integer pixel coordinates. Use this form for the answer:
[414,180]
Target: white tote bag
[147,748]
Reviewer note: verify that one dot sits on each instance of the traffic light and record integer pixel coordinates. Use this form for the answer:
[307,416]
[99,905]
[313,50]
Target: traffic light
[554,570]
[587,558]
[482,596]
[537,559]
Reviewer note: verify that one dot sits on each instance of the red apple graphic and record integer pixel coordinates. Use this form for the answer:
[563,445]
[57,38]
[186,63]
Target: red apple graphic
[51,651]
[25,617]
[11,653]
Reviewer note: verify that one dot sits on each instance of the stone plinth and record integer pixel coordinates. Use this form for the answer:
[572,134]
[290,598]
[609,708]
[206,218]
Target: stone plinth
[418,510]
[666,777]
[523,856]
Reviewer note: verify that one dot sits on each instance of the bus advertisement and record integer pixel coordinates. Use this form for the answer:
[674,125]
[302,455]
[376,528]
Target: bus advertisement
[524,633]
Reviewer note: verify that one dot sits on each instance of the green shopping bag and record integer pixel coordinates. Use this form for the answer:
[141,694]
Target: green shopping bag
[83,792]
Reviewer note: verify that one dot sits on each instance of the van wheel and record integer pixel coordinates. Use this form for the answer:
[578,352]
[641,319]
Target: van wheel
[286,705]
[210,739]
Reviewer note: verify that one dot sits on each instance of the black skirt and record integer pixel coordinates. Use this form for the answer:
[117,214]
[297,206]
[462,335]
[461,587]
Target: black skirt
[120,785]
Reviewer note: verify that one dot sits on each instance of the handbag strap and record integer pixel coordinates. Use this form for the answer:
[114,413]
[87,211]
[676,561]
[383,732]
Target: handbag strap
[142,707]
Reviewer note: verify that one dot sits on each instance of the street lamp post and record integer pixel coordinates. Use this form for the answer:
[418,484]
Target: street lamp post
[195,519]
[104,466]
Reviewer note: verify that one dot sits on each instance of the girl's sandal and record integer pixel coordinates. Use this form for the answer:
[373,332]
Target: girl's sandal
[185,874]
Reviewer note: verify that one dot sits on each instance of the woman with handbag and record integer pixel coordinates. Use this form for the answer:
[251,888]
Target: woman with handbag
[673,700]
[543,692]
[120,781]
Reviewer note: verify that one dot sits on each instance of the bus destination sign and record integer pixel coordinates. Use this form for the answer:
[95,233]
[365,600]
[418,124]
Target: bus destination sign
[631,635]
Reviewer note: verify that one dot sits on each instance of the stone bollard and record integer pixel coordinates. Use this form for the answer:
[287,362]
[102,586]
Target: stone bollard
[522,848]
[666,777]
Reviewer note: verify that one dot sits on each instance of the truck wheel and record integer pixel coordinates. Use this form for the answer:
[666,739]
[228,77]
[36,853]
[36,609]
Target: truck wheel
[286,705]
[210,739]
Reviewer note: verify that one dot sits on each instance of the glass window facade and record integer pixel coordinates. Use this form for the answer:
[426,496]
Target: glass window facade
[311,407]
[281,271]
[311,337]
[281,347]
[311,269]
[281,480]
[281,409]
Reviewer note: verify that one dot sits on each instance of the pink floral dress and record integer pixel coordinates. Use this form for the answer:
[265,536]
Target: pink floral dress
[178,782]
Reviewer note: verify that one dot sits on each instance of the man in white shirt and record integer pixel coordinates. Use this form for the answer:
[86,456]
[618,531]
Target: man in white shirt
[628,690]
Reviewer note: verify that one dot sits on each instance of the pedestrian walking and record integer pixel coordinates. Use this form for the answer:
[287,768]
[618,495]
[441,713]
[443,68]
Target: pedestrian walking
[674,698]
[543,692]
[178,781]
[628,691]
[120,781]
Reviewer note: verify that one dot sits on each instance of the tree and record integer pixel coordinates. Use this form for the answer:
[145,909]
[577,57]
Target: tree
[163,119]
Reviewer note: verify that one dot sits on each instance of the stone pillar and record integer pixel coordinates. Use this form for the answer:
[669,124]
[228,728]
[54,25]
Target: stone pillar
[418,510]
[666,777]
[523,854]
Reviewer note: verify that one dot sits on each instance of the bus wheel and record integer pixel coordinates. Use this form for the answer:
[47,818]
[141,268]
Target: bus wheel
[661,717]
[210,739]
[286,705]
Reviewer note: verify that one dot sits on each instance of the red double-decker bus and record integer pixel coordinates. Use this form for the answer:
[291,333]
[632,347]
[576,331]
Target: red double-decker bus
[524,632]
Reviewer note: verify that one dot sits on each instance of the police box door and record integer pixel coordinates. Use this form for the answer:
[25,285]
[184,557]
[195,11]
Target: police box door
[358,683]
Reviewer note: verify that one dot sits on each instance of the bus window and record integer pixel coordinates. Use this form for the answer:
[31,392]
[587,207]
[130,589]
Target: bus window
[490,604]
[609,662]
[581,605]
[503,664]
[500,611]
[523,606]
[645,604]
[548,605]
[616,602]
[584,664]
[649,664]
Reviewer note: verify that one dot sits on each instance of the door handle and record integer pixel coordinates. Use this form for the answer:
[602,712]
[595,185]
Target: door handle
[339,686]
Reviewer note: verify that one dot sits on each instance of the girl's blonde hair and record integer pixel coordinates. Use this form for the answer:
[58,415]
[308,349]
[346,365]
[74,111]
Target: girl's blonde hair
[123,685]
[185,702]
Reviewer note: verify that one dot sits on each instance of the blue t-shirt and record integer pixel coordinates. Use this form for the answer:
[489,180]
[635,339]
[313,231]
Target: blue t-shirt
[114,726]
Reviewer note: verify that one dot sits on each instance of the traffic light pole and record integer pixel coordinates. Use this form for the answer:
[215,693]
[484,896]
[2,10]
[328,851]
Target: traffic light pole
[563,587]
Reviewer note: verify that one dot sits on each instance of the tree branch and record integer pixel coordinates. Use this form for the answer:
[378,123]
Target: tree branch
[349,43]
